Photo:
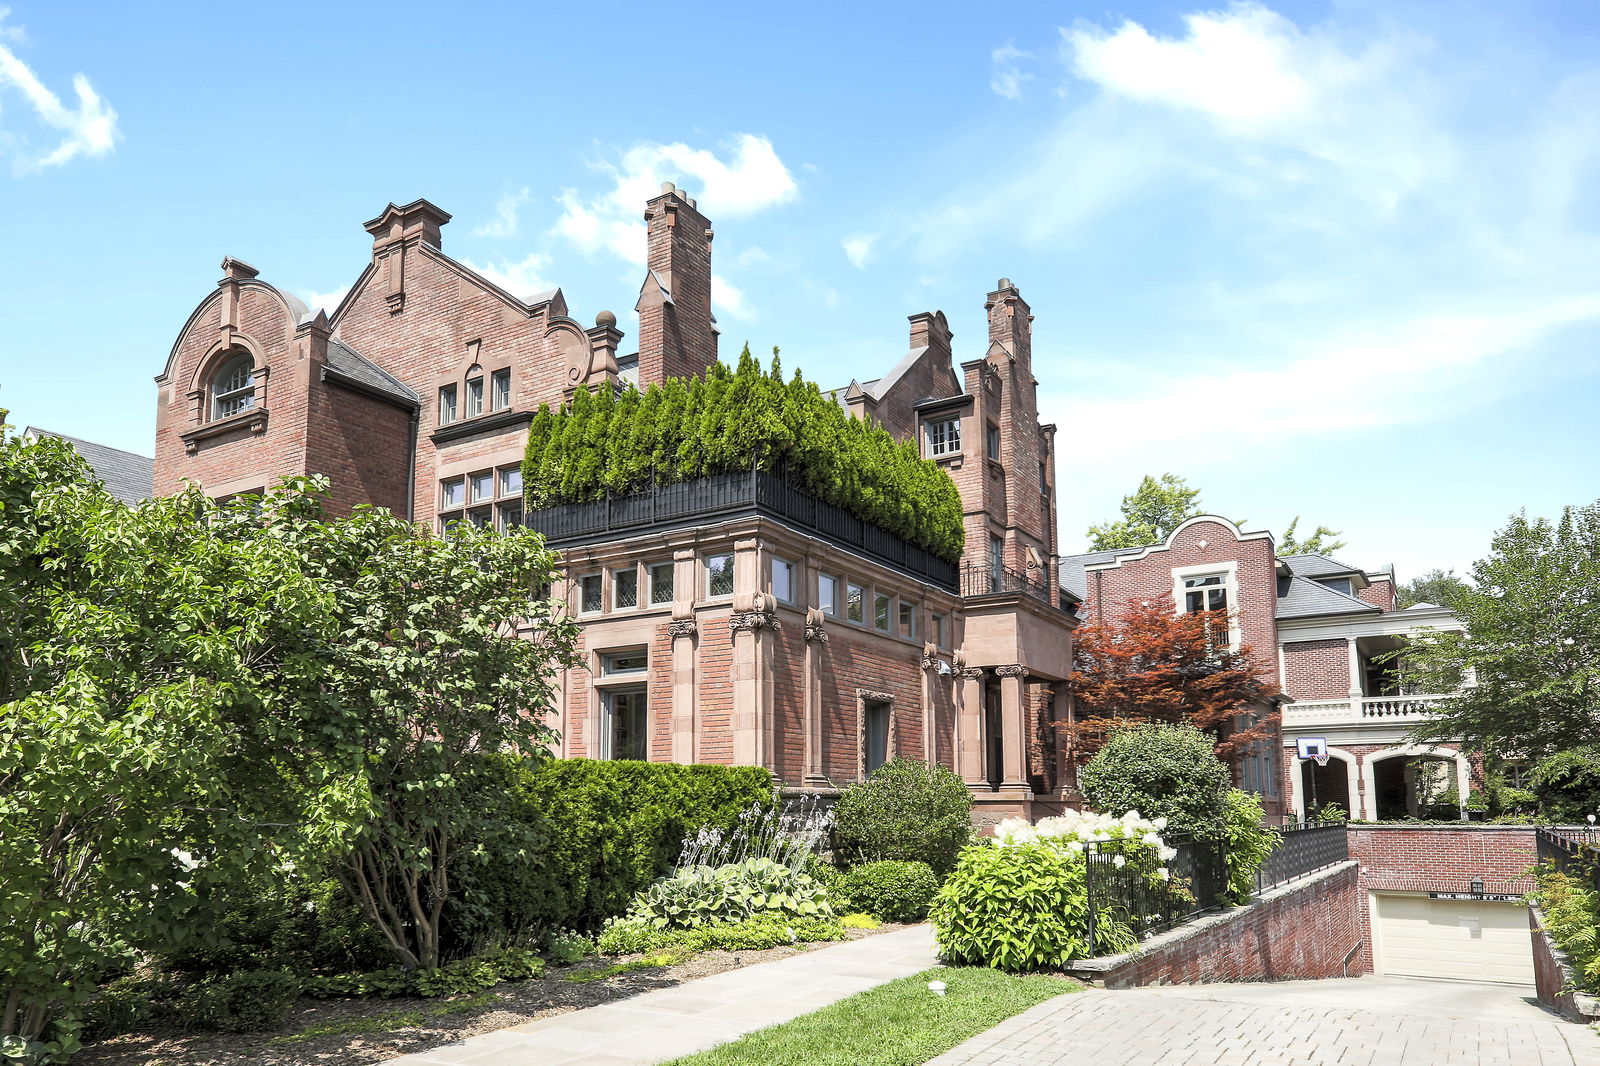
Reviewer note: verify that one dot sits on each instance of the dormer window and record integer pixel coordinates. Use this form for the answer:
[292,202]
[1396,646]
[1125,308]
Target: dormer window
[1339,584]
[233,390]
[944,436]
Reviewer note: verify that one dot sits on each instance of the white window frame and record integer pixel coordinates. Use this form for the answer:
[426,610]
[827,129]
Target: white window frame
[449,416]
[943,436]
[472,401]
[672,569]
[848,586]
[830,605]
[243,394]
[500,397]
[599,576]
[618,572]
[710,574]
[1229,572]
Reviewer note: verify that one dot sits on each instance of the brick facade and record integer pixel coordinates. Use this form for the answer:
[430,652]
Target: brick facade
[416,395]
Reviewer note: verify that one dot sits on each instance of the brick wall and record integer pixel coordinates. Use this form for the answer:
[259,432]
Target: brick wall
[1301,931]
[1317,669]
[1380,594]
[1553,976]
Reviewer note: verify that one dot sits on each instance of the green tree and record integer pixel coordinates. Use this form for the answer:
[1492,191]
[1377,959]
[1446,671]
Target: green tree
[1149,514]
[1323,541]
[1530,642]
[1440,587]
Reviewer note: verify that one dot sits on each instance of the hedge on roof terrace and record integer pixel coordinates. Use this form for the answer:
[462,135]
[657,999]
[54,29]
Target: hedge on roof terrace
[729,420]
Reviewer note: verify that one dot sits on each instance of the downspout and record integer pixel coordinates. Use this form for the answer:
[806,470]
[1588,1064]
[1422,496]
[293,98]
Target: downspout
[411,468]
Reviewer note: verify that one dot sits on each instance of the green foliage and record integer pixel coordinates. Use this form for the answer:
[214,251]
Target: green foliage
[705,895]
[1439,587]
[1020,907]
[387,1022]
[859,921]
[895,1024]
[604,830]
[1567,784]
[1161,771]
[564,947]
[1571,905]
[461,977]
[1149,514]
[905,810]
[130,1004]
[628,936]
[1246,842]
[1321,542]
[735,420]
[1531,638]
[891,891]
[249,1001]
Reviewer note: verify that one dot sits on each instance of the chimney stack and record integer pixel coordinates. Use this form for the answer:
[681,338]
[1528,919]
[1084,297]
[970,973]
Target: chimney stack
[394,233]
[677,333]
[1010,323]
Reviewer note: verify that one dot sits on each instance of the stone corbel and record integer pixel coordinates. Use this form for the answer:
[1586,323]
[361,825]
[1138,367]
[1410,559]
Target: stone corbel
[971,673]
[930,657]
[753,620]
[816,629]
[682,627]
[1011,671]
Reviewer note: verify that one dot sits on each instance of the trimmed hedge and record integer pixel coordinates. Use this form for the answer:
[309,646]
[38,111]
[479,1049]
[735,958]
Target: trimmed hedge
[607,830]
[905,810]
[734,419]
[1161,770]
[890,891]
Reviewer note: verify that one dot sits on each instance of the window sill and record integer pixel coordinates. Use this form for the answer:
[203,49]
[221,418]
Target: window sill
[466,427]
[254,420]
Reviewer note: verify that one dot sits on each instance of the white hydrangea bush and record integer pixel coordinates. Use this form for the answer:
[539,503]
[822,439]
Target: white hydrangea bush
[1129,838]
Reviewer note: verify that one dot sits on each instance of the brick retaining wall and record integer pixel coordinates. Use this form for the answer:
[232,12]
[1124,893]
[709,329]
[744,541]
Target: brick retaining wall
[1305,929]
[1552,970]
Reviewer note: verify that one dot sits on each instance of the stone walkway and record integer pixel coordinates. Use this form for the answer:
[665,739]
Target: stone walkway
[1367,1021]
[656,1026]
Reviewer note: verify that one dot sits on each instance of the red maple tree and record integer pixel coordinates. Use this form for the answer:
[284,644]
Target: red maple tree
[1152,664]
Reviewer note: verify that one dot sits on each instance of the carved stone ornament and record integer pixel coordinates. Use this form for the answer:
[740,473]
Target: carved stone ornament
[972,673]
[753,620]
[1011,671]
[879,697]
[930,657]
[683,627]
[815,628]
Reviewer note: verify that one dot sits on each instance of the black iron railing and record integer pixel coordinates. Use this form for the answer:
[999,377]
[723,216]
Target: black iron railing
[731,495]
[989,580]
[1303,849]
[1573,851]
[1197,876]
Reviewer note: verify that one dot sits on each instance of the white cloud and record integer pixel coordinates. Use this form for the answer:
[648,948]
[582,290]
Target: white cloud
[1007,77]
[507,220]
[858,249]
[730,299]
[521,279]
[751,179]
[89,129]
[327,301]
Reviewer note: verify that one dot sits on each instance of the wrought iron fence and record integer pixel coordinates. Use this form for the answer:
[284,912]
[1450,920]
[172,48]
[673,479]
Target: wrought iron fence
[1303,849]
[728,495]
[1198,877]
[1573,851]
[989,580]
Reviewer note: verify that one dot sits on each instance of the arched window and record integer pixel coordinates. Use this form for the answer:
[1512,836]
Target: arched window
[233,389]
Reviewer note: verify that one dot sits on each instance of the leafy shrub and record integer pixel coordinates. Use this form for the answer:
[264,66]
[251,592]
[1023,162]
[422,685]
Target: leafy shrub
[247,1001]
[1571,907]
[1246,842]
[859,921]
[629,936]
[564,947]
[890,891]
[737,420]
[1169,771]
[1020,902]
[606,831]
[904,810]
[1567,784]
[128,1005]
[464,976]
[702,895]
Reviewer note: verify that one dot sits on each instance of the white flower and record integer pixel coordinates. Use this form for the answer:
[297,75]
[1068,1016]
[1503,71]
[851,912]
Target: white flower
[1118,861]
[1164,873]
[1160,823]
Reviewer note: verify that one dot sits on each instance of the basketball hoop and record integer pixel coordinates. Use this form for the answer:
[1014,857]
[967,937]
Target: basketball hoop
[1322,760]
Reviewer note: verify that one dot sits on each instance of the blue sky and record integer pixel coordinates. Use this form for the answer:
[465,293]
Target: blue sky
[1335,260]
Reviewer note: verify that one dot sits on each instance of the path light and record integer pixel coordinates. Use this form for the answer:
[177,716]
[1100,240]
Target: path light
[936,987]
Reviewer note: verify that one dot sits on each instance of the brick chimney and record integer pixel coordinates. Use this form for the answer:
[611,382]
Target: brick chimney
[1010,324]
[929,329]
[677,334]
[395,234]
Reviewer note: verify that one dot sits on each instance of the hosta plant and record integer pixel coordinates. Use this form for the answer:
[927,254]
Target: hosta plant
[700,895]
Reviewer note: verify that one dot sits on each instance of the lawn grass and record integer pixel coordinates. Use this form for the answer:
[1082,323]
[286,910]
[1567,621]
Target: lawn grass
[897,1024]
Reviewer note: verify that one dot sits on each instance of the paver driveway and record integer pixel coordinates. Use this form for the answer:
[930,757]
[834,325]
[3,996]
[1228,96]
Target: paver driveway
[1365,1021]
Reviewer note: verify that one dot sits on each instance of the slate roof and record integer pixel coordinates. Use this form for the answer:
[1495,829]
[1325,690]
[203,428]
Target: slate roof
[1302,597]
[1318,566]
[347,362]
[127,476]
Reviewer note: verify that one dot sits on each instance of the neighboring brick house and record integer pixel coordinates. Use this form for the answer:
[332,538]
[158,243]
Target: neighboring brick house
[1322,631]
[728,621]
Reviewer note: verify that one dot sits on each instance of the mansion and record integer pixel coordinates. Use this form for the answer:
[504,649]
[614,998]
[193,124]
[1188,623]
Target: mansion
[737,619]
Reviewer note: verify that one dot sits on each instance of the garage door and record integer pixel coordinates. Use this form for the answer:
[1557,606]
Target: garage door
[1465,940]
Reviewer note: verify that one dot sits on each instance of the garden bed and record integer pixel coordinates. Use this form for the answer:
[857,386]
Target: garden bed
[347,1032]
